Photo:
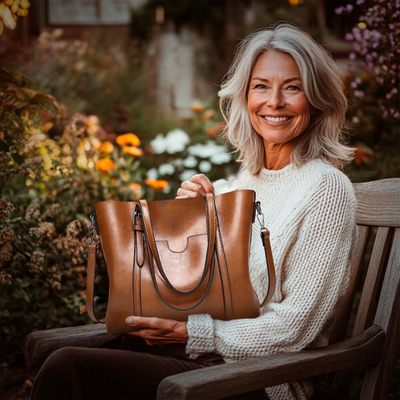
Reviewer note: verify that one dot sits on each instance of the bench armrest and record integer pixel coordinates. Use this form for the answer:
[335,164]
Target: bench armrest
[40,344]
[241,377]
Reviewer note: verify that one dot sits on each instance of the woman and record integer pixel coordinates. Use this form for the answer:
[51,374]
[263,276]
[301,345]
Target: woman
[285,109]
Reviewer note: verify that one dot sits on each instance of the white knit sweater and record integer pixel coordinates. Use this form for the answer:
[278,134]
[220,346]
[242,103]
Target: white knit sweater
[309,212]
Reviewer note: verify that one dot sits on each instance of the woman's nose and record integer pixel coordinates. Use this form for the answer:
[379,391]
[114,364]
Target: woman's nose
[275,99]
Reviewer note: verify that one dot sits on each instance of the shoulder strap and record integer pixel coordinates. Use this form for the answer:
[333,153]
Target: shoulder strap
[91,274]
[270,267]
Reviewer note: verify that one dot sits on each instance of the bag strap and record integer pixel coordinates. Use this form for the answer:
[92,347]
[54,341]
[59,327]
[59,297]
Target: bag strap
[91,274]
[149,235]
[264,232]
[270,267]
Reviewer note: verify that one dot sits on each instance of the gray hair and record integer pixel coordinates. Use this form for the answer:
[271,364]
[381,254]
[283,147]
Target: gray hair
[323,87]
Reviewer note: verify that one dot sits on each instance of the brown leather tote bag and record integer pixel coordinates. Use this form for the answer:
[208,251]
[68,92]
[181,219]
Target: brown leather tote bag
[173,258]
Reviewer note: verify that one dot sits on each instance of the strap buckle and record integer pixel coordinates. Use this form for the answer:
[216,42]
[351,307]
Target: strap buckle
[260,216]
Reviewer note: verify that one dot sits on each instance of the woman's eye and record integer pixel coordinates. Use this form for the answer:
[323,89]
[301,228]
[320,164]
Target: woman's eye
[292,88]
[259,86]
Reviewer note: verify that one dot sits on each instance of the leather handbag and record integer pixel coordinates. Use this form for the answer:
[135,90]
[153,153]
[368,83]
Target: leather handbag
[173,258]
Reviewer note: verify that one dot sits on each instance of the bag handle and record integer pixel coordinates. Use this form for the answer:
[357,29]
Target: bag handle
[149,235]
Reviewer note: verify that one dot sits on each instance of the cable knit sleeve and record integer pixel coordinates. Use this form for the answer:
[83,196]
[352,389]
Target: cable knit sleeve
[313,267]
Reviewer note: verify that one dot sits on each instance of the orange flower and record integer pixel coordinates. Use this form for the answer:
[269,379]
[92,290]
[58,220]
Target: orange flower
[197,107]
[132,151]
[157,185]
[106,148]
[216,130]
[128,139]
[104,165]
[136,189]
[362,155]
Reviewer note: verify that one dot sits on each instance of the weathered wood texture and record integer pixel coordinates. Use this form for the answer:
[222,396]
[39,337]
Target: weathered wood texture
[378,202]
[378,378]
[39,345]
[344,310]
[241,377]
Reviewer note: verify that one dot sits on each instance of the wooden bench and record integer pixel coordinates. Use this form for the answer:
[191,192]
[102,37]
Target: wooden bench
[374,342]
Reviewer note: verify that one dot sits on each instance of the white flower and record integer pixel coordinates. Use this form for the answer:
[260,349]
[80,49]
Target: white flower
[166,169]
[187,174]
[5,14]
[205,166]
[152,173]
[220,158]
[217,154]
[174,142]
[190,162]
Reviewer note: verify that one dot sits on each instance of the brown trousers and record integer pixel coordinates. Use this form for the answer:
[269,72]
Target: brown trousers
[124,368]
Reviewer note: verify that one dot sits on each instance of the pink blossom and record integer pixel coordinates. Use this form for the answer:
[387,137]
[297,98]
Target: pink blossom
[359,93]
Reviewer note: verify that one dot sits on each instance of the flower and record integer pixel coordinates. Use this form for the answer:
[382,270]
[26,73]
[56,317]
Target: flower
[207,115]
[157,185]
[128,139]
[6,16]
[132,151]
[174,142]
[295,2]
[106,148]
[136,189]
[362,154]
[197,107]
[92,120]
[104,165]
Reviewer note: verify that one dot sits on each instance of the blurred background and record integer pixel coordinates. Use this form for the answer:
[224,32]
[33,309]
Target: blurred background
[117,99]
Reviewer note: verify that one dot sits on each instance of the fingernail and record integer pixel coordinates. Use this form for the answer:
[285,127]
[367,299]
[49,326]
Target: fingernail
[130,321]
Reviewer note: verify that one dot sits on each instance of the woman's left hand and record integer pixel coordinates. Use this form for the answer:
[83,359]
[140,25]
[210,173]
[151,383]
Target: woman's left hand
[159,330]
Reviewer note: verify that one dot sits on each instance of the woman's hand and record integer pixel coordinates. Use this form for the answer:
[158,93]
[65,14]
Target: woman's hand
[196,186]
[159,330]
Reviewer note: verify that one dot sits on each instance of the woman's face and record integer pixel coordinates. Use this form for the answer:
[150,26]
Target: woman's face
[278,108]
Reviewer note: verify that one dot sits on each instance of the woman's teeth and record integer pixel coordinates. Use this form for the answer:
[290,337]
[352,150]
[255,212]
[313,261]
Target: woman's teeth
[276,119]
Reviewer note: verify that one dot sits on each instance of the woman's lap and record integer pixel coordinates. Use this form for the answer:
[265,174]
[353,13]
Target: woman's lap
[125,368]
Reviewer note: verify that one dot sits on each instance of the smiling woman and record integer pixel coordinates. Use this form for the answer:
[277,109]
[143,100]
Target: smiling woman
[284,107]
[278,107]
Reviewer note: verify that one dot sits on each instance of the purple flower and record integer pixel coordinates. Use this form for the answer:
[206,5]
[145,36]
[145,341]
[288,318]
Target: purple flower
[355,120]
[358,80]
[353,85]
[349,7]
[359,2]
[392,27]
[394,91]
[338,10]
[352,56]
[349,37]
[388,96]
[396,114]
[369,58]
[359,93]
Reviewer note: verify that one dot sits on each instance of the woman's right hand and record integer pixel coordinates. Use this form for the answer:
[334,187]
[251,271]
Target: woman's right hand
[196,186]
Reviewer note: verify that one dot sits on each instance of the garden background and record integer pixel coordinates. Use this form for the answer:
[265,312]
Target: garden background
[117,99]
